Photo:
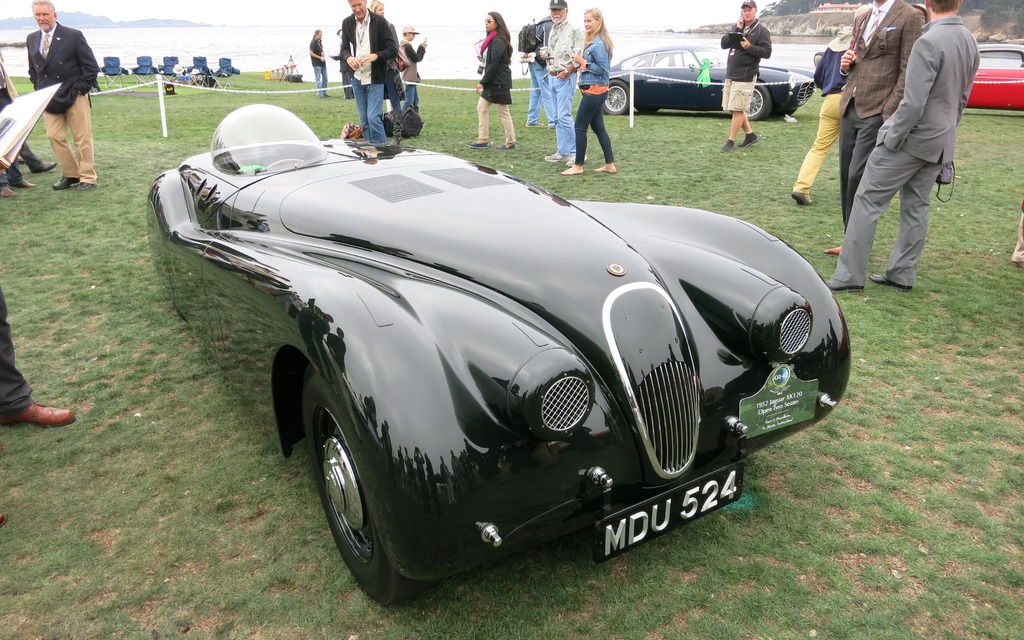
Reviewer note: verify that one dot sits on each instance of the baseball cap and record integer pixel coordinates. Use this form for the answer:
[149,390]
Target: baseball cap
[559,4]
[748,3]
[411,30]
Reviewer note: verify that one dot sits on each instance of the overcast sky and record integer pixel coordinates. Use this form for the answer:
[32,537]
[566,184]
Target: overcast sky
[657,14]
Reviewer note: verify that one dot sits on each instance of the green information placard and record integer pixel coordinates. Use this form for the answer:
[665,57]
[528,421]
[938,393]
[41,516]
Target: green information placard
[783,400]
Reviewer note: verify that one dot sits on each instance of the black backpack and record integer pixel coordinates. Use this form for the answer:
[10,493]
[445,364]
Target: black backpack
[528,40]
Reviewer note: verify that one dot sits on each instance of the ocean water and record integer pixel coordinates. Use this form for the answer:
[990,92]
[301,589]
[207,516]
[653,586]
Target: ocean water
[450,48]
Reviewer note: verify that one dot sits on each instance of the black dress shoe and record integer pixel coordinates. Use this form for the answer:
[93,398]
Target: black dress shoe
[64,183]
[85,186]
[43,167]
[877,279]
[838,287]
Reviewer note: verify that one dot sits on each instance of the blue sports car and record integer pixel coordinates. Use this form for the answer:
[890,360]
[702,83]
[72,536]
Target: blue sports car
[667,78]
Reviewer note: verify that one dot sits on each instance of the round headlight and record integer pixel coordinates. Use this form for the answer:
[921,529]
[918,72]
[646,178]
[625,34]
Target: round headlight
[551,394]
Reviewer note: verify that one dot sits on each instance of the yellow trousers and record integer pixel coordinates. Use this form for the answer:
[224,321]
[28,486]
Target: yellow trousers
[828,133]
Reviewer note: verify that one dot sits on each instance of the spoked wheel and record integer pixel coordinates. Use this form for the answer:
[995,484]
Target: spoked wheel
[617,102]
[341,492]
[760,104]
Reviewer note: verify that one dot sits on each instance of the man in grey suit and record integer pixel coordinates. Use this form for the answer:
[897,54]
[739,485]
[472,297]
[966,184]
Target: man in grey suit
[911,147]
[875,68]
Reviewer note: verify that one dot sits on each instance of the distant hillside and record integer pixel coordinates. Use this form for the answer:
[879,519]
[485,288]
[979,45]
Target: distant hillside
[827,24]
[86,21]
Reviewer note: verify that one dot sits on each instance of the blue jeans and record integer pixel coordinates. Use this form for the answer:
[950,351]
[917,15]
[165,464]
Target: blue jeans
[320,77]
[540,95]
[370,106]
[565,135]
[391,91]
[589,114]
[412,99]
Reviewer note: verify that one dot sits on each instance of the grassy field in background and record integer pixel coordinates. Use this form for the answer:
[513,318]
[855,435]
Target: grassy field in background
[167,510]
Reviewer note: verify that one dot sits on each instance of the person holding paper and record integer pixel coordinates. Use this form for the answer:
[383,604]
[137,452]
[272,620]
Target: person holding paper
[7,95]
[748,43]
[59,55]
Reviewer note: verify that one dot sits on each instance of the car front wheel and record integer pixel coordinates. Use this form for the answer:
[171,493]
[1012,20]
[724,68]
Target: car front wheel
[617,103]
[339,484]
[760,104]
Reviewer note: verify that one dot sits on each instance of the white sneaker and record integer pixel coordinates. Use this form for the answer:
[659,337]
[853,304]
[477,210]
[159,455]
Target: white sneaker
[557,157]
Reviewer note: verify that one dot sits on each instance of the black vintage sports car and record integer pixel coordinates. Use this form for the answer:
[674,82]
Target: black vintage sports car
[478,366]
[667,78]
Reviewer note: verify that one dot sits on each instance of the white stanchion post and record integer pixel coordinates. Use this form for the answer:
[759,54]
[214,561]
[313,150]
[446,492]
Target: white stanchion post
[163,107]
[631,76]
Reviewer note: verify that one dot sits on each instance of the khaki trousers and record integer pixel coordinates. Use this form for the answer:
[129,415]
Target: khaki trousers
[484,121]
[79,119]
[828,133]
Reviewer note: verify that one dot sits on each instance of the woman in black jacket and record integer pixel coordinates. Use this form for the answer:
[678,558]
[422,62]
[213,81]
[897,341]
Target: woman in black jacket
[495,85]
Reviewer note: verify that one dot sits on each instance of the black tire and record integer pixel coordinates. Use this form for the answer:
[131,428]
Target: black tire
[617,103]
[760,104]
[347,513]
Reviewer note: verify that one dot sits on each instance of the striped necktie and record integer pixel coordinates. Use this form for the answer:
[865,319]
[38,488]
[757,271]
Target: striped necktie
[46,45]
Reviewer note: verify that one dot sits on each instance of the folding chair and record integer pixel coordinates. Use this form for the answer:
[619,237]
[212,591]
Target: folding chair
[225,71]
[145,70]
[112,71]
[201,73]
[167,68]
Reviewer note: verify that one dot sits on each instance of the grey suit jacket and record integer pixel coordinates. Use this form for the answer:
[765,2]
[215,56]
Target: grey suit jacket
[878,77]
[940,74]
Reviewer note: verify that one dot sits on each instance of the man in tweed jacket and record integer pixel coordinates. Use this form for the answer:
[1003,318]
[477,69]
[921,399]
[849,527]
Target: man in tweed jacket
[875,66]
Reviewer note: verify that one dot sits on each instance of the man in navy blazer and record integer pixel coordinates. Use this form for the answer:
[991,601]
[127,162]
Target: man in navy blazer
[60,55]
[911,148]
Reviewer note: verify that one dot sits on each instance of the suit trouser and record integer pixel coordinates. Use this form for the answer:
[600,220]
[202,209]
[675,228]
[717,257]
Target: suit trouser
[15,394]
[857,137]
[887,173]
[79,119]
[828,133]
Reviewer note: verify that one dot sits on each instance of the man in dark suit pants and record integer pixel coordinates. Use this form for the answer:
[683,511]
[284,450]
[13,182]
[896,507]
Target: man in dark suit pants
[367,43]
[875,66]
[912,146]
[60,55]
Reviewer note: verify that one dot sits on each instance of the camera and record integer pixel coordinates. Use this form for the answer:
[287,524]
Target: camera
[945,174]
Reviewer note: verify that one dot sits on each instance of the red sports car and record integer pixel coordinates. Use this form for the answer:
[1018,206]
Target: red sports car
[999,83]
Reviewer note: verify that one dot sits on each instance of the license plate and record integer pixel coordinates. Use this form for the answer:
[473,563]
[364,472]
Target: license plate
[635,525]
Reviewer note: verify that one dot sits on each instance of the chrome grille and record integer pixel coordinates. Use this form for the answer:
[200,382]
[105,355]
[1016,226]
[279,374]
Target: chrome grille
[795,330]
[669,402]
[565,403]
[805,92]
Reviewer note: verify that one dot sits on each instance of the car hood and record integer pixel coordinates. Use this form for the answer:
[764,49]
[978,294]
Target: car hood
[467,220]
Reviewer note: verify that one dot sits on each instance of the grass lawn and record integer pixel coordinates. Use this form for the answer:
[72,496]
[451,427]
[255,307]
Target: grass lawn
[167,510]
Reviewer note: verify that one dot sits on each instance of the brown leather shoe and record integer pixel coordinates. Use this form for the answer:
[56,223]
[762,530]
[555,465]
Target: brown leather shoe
[834,251]
[7,192]
[23,184]
[42,416]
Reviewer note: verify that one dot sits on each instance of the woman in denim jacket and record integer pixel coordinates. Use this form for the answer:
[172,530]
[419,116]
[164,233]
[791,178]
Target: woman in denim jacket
[593,62]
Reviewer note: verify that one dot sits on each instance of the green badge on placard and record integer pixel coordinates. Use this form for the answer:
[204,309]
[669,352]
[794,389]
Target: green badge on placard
[783,400]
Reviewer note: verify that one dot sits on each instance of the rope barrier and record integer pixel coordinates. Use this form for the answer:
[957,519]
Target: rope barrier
[160,83]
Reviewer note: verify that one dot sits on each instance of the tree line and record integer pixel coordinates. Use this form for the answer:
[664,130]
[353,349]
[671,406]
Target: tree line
[997,15]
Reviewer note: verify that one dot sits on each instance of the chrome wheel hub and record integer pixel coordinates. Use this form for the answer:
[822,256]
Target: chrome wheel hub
[342,488]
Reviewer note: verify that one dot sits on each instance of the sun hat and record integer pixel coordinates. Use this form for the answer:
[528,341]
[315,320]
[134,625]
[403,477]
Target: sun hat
[842,40]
